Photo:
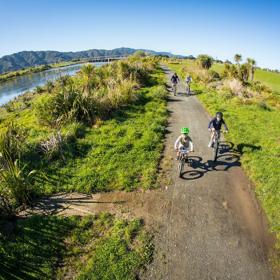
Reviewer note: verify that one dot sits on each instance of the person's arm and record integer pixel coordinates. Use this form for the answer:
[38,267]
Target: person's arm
[210,124]
[225,126]
[177,143]
[191,146]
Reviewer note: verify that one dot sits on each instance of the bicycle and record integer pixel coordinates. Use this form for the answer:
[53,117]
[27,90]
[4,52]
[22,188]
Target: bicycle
[183,159]
[216,143]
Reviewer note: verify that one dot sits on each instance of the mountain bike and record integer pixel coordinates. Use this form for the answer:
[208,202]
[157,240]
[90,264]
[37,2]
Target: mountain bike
[183,159]
[216,143]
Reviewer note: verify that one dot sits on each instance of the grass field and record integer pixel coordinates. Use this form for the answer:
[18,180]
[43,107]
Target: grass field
[271,79]
[98,158]
[92,247]
[255,132]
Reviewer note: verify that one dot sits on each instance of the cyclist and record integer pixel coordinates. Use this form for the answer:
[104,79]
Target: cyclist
[215,125]
[183,142]
[188,84]
[174,80]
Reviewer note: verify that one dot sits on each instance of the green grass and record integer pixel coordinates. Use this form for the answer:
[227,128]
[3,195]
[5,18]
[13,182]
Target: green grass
[271,79]
[101,158]
[121,154]
[92,247]
[218,67]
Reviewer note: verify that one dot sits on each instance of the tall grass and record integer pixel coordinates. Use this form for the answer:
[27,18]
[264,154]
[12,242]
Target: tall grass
[16,182]
[93,93]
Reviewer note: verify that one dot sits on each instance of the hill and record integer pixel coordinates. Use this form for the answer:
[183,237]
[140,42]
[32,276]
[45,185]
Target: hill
[26,59]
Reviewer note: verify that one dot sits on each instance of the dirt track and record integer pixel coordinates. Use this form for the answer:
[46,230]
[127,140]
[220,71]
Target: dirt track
[207,224]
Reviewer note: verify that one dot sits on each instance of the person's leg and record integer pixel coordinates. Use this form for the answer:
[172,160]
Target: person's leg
[211,138]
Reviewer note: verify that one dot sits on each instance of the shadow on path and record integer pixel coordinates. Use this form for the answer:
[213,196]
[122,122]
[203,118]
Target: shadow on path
[228,157]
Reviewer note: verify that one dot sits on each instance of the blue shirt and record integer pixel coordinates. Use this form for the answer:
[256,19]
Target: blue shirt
[217,125]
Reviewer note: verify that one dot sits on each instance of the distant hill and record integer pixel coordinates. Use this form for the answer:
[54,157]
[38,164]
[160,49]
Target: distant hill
[26,59]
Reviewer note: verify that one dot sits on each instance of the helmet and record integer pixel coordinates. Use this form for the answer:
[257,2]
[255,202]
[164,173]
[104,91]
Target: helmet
[219,114]
[185,130]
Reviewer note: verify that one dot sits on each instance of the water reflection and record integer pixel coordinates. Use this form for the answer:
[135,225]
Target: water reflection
[18,85]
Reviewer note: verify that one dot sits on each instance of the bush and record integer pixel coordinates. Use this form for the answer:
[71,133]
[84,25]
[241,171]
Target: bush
[16,185]
[62,107]
[235,86]
[260,87]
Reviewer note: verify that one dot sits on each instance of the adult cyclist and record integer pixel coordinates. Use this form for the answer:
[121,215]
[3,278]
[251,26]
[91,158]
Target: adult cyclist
[174,80]
[215,125]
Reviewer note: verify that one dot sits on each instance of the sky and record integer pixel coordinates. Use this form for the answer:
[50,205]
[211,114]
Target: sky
[218,28]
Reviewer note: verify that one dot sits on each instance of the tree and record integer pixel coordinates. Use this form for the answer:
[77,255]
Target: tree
[205,61]
[251,64]
[238,58]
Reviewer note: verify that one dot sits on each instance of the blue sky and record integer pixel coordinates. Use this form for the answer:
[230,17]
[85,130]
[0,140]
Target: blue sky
[218,28]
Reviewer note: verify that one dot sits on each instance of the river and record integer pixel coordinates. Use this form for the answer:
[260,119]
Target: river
[18,85]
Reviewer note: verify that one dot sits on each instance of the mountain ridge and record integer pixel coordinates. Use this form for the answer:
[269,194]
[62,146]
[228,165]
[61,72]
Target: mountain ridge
[25,59]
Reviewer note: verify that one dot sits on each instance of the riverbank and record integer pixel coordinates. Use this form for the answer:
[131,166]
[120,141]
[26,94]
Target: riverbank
[17,86]
[10,75]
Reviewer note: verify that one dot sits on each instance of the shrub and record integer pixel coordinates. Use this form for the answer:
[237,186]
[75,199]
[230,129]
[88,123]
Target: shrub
[66,106]
[235,86]
[260,87]
[53,147]
[16,185]
[214,75]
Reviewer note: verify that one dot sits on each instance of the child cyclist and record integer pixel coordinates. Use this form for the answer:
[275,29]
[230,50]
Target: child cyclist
[183,142]
[215,125]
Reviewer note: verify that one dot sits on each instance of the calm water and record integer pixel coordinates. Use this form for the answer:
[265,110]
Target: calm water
[18,85]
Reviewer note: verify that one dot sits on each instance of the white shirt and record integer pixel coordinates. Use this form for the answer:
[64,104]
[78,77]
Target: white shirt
[183,142]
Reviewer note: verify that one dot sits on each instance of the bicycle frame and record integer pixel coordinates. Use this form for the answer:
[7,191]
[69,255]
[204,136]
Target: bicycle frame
[183,158]
[216,142]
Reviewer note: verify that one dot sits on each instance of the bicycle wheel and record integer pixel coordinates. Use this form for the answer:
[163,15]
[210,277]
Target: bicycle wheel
[181,167]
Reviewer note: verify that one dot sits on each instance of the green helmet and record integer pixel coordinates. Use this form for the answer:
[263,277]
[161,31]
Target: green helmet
[185,130]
